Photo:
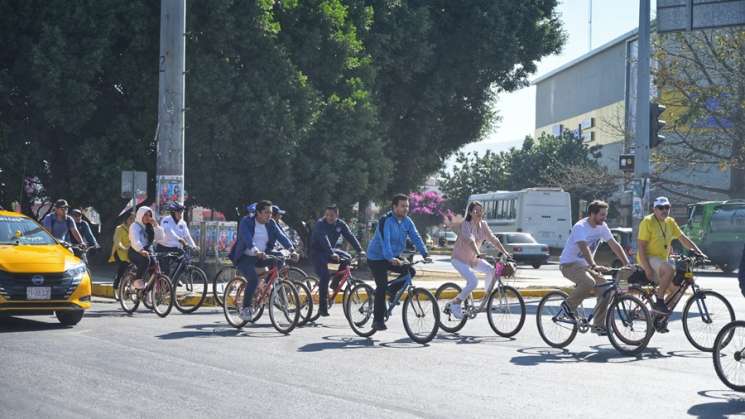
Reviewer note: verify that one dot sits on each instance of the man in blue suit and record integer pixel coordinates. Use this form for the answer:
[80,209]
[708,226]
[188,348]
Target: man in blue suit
[257,235]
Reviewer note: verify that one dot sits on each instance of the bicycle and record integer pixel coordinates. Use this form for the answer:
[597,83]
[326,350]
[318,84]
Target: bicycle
[189,281]
[228,272]
[341,280]
[158,287]
[503,304]
[628,322]
[729,355]
[712,309]
[420,309]
[274,291]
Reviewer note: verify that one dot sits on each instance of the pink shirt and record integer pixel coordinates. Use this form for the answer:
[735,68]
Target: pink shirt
[463,251]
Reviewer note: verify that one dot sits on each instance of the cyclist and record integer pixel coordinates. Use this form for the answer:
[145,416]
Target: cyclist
[143,233]
[257,235]
[656,233]
[120,247]
[89,240]
[384,250]
[61,225]
[323,241]
[471,235]
[577,262]
[176,235]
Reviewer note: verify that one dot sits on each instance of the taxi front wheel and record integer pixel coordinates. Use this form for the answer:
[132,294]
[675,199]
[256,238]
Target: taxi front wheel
[69,318]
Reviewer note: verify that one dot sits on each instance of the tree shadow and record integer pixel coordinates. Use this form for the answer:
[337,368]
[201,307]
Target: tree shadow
[338,342]
[10,324]
[730,404]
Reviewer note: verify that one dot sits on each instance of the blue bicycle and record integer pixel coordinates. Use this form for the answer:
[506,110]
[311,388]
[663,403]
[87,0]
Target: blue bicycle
[421,314]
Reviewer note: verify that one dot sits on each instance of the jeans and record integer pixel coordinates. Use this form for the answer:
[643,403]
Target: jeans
[247,267]
[165,262]
[741,274]
[467,272]
[141,262]
[121,268]
[379,269]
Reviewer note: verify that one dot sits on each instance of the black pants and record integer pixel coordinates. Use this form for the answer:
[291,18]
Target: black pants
[165,262]
[741,274]
[141,262]
[121,268]
[379,269]
[320,264]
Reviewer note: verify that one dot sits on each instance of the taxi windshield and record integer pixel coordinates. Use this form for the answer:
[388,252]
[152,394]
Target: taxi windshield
[19,230]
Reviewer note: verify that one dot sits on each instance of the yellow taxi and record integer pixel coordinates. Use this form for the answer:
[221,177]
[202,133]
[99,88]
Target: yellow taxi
[38,275]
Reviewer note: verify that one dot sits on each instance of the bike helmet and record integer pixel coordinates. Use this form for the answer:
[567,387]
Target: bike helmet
[175,207]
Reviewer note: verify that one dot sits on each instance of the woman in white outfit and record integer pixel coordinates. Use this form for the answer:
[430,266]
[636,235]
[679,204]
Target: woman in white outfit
[471,235]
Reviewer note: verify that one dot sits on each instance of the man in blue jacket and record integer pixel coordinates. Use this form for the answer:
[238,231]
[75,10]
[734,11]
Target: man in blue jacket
[385,247]
[326,233]
[257,235]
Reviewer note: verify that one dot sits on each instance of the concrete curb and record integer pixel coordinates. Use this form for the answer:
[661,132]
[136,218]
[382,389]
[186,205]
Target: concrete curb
[107,291]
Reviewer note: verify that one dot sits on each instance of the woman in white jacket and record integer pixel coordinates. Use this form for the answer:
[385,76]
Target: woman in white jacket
[143,233]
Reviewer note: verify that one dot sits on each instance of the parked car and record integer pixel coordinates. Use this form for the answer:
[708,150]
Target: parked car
[604,255]
[446,238]
[38,274]
[522,246]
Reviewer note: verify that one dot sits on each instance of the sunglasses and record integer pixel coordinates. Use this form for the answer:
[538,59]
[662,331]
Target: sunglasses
[663,208]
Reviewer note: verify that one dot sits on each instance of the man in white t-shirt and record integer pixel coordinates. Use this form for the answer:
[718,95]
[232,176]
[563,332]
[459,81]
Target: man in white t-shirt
[578,263]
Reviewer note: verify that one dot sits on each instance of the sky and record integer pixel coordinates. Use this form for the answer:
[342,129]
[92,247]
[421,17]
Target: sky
[610,19]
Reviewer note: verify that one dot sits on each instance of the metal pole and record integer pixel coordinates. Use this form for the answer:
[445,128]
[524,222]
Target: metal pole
[641,166]
[589,25]
[171,96]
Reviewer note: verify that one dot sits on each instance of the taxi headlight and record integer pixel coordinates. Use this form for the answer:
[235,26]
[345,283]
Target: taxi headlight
[76,272]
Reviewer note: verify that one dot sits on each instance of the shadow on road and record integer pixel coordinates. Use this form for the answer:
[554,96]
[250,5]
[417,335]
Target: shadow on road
[468,340]
[215,330]
[17,324]
[338,342]
[730,404]
[600,354]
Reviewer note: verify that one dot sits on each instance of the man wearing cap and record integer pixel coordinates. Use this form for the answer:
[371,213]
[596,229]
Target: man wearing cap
[656,233]
[326,233]
[84,229]
[176,235]
[61,225]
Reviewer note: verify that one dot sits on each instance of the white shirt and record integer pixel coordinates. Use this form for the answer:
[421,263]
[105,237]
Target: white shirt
[138,236]
[584,232]
[174,231]
[261,237]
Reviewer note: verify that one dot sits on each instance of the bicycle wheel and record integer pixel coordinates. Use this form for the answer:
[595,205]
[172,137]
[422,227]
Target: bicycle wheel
[704,315]
[629,324]
[146,300]
[351,282]
[284,307]
[443,295]
[305,301]
[421,315]
[729,355]
[220,281]
[554,326]
[360,306]
[312,283]
[190,289]
[505,311]
[161,294]
[296,274]
[129,299]
[233,302]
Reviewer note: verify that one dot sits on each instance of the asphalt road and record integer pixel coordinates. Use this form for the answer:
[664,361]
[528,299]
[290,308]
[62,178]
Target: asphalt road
[113,365]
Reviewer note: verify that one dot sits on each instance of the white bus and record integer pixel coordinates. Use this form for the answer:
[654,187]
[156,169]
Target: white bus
[546,213]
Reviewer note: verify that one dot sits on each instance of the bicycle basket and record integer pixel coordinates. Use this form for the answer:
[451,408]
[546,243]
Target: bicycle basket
[505,270]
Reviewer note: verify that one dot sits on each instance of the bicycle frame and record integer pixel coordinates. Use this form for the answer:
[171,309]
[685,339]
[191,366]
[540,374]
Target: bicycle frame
[345,273]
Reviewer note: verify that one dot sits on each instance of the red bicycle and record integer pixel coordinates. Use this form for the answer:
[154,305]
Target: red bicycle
[341,281]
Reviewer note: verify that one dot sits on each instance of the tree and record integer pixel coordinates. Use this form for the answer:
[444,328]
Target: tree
[549,161]
[701,77]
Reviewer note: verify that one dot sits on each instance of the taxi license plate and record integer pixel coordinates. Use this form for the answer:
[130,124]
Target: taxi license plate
[38,293]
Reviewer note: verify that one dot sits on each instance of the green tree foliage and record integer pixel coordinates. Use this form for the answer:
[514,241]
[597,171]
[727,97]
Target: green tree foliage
[301,102]
[551,161]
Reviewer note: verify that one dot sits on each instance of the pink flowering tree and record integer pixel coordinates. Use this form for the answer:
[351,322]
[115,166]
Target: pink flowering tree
[427,209]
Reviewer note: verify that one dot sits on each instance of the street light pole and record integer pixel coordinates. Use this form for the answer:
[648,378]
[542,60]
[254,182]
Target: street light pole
[641,165]
[171,100]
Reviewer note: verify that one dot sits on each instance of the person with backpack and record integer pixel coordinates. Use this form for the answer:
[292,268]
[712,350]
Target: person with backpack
[385,248]
[61,225]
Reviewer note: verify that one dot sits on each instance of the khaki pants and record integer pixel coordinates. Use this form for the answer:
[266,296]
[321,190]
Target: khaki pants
[585,285]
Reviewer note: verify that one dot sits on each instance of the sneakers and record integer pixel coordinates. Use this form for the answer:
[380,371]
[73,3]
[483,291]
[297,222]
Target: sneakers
[660,325]
[456,310]
[660,307]
[599,330]
[323,312]
[379,326]
[245,314]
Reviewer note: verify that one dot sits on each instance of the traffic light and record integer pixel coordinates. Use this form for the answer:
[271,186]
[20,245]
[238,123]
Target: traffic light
[655,124]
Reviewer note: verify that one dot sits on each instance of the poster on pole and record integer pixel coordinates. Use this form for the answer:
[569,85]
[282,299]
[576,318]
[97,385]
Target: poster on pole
[170,189]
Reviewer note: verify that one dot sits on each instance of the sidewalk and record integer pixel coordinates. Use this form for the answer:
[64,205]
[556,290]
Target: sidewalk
[526,281]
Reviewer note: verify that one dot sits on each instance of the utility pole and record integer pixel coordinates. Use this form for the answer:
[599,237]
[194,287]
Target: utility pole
[641,166]
[171,103]
[589,25]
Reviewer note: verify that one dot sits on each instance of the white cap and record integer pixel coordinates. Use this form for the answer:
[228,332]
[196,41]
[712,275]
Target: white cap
[661,201]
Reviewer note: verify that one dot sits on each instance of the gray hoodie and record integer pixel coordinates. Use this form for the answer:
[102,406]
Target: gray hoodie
[137,232]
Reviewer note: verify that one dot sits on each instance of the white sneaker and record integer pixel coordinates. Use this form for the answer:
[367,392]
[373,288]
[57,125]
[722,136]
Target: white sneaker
[245,314]
[456,311]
